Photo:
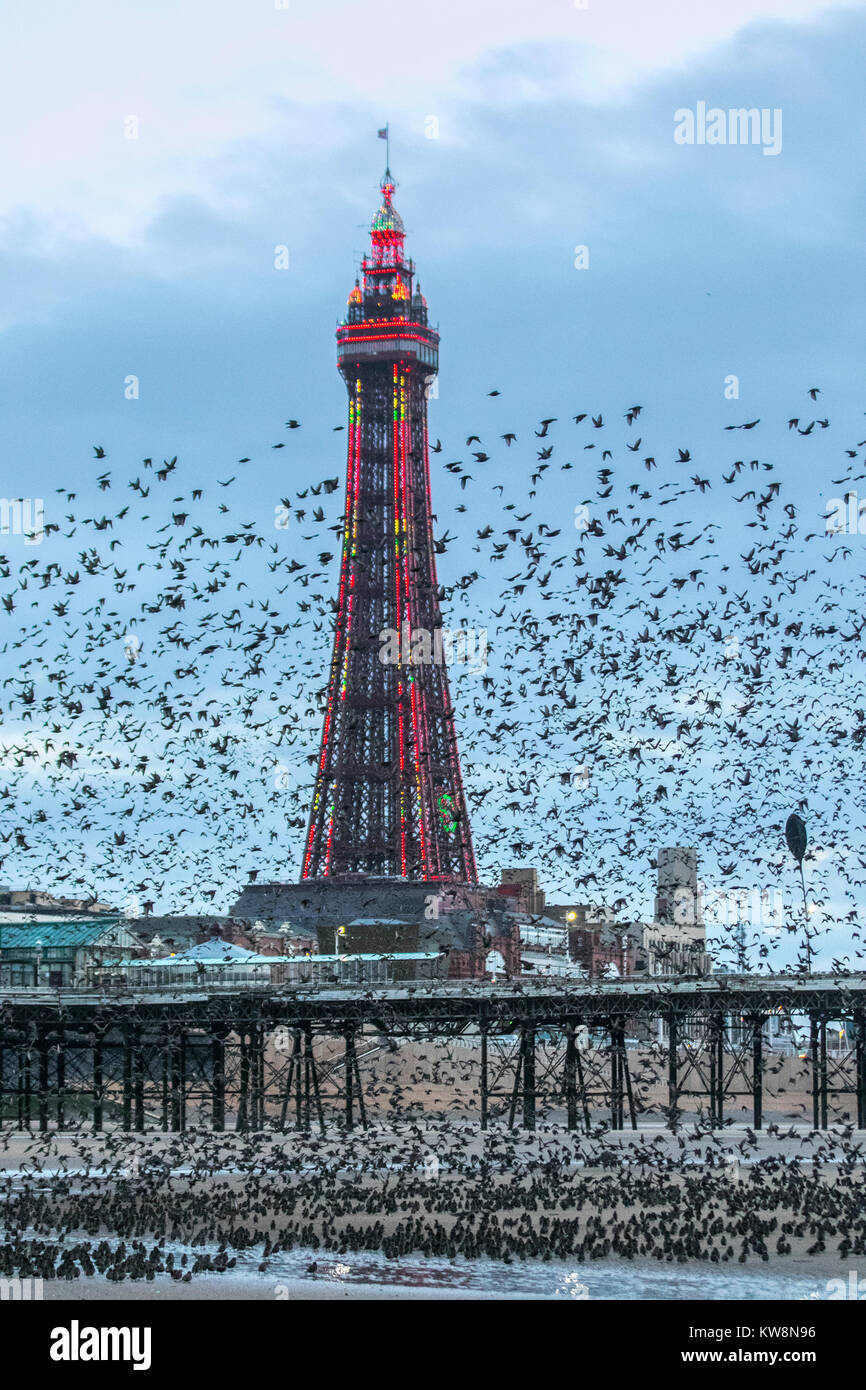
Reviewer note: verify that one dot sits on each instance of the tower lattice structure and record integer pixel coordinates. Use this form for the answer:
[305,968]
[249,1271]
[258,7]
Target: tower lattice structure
[388,797]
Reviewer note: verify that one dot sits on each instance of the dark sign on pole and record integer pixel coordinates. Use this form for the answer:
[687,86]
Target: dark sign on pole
[795,834]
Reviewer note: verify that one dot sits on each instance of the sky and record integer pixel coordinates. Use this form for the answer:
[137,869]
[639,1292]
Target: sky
[156,156]
[553,129]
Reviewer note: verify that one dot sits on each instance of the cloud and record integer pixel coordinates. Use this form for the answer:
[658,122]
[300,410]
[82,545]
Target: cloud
[207,77]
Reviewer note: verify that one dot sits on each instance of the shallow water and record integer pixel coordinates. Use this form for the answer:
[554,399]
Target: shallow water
[288,1275]
[529,1279]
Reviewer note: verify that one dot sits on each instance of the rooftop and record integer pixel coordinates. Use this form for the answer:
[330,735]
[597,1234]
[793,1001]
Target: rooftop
[29,935]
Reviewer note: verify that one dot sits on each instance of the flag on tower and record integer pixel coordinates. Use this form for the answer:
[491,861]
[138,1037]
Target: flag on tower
[385,134]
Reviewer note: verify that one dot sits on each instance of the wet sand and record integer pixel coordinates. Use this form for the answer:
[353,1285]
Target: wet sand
[197,1189]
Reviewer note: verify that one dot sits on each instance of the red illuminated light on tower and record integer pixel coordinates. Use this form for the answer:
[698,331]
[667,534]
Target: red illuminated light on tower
[388,798]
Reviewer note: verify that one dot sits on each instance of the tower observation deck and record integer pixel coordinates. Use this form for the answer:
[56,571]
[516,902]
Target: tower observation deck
[388,799]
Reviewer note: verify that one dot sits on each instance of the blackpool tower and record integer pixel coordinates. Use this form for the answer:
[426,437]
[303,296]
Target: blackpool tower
[388,798]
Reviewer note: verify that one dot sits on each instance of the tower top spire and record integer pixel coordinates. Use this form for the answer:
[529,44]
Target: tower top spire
[386,289]
[387,219]
[387,184]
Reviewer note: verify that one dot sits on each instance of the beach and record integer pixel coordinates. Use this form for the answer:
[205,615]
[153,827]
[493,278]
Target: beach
[436,1210]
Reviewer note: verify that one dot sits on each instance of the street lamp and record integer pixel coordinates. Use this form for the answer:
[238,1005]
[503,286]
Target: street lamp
[795,835]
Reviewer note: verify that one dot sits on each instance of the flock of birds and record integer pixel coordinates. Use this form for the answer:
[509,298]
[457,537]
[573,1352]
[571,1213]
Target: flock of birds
[675,656]
[196,1203]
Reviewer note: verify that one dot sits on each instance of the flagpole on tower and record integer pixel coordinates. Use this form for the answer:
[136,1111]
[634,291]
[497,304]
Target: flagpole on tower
[385,134]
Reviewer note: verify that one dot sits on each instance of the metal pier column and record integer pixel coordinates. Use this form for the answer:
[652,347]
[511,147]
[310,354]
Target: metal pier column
[628,1089]
[293,1082]
[299,1085]
[757,1071]
[167,1063]
[127,1077]
[529,1078]
[581,1081]
[257,1076]
[818,1051]
[24,1085]
[518,1077]
[242,1121]
[138,1081]
[218,1080]
[860,1062]
[822,1034]
[615,1075]
[60,1067]
[178,1082]
[350,1076]
[312,1076]
[42,1049]
[717,1070]
[673,1095]
[484,1077]
[813,1053]
[570,1074]
[98,1079]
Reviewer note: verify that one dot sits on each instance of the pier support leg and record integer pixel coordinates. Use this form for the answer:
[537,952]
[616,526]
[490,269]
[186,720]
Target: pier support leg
[673,1092]
[581,1081]
[178,1082]
[484,1076]
[242,1121]
[138,1081]
[42,1049]
[570,1075]
[360,1092]
[24,1085]
[717,1069]
[218,1081]
[720,1069]
[529,1079]
[350,1077]
[255,1109]
[818,1052]
[98,1082]
[620,1081]
[518,1076]
[308,1085]
[260,1076]
[290,1081]
[813,1053]
[60,1068]
[860,1064]
[312,1077]
[167,1066]
[757,1071]
[822,1033]
[299,1082]
[127,1078]
[628,1088]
